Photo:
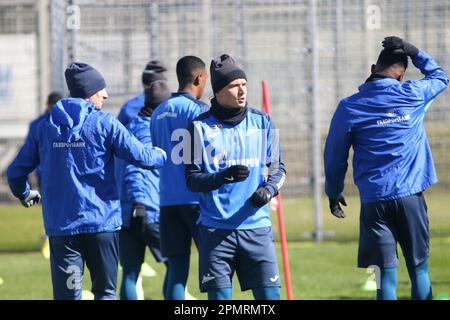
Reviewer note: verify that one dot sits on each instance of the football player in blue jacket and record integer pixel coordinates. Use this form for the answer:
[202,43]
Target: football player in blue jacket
[232,145]
[75,147]
[178,205]
[392,164]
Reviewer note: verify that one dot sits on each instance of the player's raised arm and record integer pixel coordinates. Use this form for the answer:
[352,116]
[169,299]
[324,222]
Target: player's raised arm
[127,147]
[435,80]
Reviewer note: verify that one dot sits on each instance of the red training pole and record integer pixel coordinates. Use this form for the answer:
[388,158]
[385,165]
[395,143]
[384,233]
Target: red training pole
[278,207]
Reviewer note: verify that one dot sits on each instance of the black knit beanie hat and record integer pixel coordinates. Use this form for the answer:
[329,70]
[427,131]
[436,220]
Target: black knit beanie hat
[223,70]
[83,80]
[154,70]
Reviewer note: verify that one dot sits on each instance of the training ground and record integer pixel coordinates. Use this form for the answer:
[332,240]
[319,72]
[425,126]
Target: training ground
[319,271]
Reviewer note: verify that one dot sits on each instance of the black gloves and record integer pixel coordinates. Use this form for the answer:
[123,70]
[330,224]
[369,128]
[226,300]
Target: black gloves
[234,174]
[138,220]
[260,197]
[335,208]
[398,43]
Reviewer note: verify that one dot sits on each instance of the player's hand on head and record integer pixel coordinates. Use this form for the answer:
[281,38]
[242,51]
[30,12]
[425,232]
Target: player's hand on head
[33,198]
[260,197]
[235,173]
[393,43]
[335,206]
[138,220]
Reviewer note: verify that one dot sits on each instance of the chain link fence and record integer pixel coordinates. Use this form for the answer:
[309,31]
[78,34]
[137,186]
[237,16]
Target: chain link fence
[276,41]
[19,78]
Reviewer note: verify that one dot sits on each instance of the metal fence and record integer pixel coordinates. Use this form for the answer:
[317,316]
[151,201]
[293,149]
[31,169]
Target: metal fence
[312,54]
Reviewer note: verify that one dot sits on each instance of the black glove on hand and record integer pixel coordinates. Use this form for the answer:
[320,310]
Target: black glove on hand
[234,174]
[335,208]
[398,43]
[138,220]
[260,197]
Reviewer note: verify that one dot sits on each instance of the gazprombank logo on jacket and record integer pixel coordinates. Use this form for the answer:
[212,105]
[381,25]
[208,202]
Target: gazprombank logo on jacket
[394,116]
[76,144]
[213,145]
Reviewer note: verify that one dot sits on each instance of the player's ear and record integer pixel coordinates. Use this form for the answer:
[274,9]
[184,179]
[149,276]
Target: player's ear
[197,79]
[200,77]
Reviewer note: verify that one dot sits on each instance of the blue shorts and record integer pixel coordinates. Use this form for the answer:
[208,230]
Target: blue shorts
[100,252]
[132,246]
[178,227]
[383,224]
[251,253]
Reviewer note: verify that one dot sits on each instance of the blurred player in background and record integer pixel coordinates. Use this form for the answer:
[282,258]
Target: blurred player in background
[139,199]
[232,146]
[76,146]
[52,99]
[178,206]
[154,71]
[392,164]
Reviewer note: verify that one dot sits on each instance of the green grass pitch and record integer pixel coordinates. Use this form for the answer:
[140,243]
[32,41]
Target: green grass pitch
[319,271]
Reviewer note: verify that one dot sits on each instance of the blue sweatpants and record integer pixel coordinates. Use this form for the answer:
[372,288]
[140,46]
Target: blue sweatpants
[384,224]
[68,254]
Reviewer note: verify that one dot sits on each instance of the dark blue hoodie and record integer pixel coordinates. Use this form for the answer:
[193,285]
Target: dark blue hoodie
[76,146]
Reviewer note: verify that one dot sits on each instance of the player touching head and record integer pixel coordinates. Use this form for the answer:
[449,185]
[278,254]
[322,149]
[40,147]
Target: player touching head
[392,163]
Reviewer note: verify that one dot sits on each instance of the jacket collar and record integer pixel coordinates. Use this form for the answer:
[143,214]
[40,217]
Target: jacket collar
[379,84]
[183,93]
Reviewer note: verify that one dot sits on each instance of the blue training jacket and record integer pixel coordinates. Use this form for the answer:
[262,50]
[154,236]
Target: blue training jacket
[76,148]
[215,146]
[131,108]
[384,124]
[169,132]
[138,185]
